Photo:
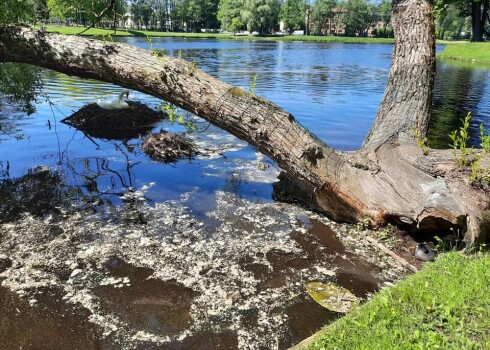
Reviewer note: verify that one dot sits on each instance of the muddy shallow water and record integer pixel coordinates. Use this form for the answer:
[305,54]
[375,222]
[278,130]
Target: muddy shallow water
[169,280]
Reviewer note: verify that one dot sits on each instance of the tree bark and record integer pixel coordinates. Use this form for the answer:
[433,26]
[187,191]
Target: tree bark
[406,105]
[479,14]
[389,180]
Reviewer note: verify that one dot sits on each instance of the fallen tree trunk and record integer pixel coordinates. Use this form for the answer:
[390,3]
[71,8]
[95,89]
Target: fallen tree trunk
[390,180]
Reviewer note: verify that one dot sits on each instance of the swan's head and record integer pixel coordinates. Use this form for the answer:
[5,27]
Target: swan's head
[122,93]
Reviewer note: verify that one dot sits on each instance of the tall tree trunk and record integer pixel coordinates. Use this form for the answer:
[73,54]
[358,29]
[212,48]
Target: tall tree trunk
[479,15]
[406,105]
[389,180]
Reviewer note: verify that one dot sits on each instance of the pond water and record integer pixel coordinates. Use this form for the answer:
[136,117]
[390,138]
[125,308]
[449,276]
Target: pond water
[101,247]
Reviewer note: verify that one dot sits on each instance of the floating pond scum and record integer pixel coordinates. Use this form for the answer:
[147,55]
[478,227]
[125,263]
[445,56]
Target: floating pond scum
[158,277]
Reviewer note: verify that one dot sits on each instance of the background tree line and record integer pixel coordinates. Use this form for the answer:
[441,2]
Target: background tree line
[454,18]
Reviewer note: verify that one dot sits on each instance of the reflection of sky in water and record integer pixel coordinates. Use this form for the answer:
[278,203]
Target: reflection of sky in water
[325,86]
[332,89]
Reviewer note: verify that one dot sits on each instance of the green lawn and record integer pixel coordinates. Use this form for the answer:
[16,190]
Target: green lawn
[144,33]
[469,52]
[444,306]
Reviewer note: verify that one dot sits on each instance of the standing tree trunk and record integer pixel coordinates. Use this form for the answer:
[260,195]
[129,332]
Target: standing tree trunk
[388,180]
[479,15]
[406,105]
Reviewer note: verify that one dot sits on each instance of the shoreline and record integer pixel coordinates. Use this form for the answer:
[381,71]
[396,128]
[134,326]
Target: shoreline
[98,32]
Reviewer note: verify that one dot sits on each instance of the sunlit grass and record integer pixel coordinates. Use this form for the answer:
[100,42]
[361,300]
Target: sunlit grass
[470,52]
[123,32]
[445,306]
[144,33]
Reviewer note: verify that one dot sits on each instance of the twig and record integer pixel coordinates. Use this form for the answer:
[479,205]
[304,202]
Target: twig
[397,257]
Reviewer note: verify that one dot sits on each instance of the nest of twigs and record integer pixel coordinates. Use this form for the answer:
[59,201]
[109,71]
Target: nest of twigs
[115,124]
[168,147]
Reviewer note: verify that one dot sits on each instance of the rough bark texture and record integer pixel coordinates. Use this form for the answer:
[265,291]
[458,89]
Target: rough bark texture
[406,105]
[479,16]
[389,180]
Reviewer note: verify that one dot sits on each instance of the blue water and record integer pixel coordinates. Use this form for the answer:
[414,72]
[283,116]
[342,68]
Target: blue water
[332,89]
[328,87]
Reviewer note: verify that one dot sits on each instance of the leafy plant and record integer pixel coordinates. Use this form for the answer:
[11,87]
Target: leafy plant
[193,68]
[105,37]
[421,141]
[384,233]
[465,156]
[476,172]
[460,142]
[485,144]
[148,40]
[253,83]
[485,140]
[178,118]
[159,53]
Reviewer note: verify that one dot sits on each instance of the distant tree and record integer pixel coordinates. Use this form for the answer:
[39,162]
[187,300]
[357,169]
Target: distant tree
[142,11]
[210,13]
[293,14]
[84,11]
[261,15]
[479,17]
[321,13]
[230,14]
[17,10]
[451,20]
[384,15]
[162,13]
[204,12]
[357,16]
[477,10]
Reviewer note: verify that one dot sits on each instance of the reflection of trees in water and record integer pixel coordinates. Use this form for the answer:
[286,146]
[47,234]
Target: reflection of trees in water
[19,84]
[233,183]
[101,186]
[97,175]
[4,169]
[84,184]
[458,90]
[39,192]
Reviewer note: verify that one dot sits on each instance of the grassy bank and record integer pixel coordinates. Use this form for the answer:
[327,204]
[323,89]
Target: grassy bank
[469,52]
[145,33]
[445,306]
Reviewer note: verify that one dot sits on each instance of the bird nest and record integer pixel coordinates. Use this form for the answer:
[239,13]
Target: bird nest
[115,124]
[168,147]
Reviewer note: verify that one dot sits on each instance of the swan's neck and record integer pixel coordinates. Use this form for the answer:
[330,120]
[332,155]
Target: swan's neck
[122,93]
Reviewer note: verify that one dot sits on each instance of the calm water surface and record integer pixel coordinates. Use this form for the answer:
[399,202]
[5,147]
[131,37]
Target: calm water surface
[332,89]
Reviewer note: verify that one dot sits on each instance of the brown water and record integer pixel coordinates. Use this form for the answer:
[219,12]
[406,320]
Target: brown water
[49,325]
[167,314]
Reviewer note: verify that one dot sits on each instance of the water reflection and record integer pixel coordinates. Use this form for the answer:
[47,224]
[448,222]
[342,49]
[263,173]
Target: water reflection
[459,89]
[90,182]
[40,192]
[98,176]
[47,326]
[209,222]
[328,87]
[18,85]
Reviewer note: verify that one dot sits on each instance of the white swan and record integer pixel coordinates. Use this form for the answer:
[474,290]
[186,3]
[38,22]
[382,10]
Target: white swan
[114,102]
